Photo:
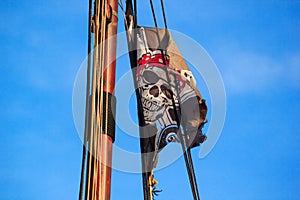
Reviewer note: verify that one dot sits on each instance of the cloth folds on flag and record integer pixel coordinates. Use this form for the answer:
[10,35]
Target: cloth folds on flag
[166,88]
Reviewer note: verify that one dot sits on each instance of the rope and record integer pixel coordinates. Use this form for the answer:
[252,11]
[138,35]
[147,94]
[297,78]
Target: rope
[145,174]
[90,173]
[99,125]
[96,108]
[164,14]
[135,13]
[186,151]
[120,3]
[153,14]
[183,137]
[163,11]
[87,111]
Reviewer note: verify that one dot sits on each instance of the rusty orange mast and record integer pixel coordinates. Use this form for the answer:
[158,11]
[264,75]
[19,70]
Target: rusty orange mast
[99,135]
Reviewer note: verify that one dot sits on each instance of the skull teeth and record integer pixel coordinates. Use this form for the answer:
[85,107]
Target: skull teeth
[150,105]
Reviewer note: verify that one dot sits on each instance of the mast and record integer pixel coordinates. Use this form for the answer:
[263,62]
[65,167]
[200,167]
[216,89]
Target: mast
[100,101]
[108,79]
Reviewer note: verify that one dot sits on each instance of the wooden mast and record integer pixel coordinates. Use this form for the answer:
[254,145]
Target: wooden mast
[100,102]
[108,113]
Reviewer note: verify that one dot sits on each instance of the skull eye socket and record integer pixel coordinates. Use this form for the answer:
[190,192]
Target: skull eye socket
[166,91]
[154,91]
[150,77]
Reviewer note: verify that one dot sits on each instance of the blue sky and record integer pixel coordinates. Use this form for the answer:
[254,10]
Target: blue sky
[255,45]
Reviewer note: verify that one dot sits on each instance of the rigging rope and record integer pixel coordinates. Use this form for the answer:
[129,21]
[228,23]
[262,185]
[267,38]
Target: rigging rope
[87,111]
[95,125]
[154,17]
[183,137]
[100,127]
[163,11]
[135,13]
[164,14]
[91,139]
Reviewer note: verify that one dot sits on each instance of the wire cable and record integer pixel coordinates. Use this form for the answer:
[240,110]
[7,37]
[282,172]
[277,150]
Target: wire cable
[164,14]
